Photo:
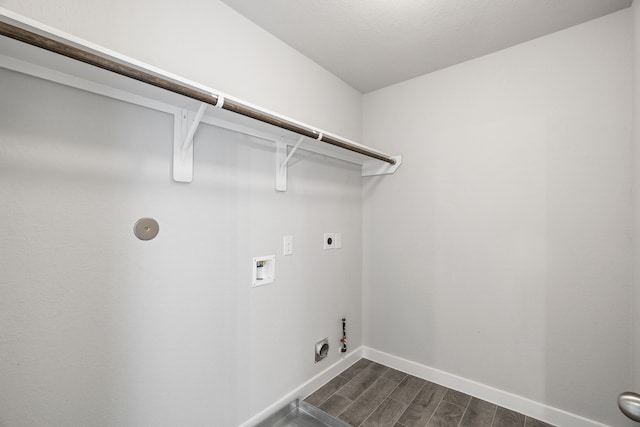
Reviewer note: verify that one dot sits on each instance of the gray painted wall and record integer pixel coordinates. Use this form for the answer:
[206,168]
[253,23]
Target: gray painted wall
[501,250]
[99,328]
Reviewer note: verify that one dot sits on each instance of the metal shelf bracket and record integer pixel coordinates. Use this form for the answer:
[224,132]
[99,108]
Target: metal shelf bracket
[182,156]
[375,167]
[282,159]
[183,133]
[187,144]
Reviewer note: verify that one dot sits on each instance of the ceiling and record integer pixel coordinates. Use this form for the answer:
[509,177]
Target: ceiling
[371,44]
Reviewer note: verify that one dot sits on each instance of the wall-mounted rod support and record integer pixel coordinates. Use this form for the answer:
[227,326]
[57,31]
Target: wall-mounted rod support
[293,150]
[188,141]
[122,68]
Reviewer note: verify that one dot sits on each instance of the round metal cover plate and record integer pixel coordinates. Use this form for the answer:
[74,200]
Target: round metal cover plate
[146,228]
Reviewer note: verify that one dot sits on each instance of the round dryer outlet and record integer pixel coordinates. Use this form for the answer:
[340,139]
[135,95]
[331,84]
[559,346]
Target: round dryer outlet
[322,349]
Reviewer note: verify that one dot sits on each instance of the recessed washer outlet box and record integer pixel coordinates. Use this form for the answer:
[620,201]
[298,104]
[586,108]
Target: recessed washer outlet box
[322,349]
[263,270]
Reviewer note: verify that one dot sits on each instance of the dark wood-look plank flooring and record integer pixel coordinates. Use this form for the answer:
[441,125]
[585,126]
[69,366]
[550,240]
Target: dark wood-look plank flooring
[368,394]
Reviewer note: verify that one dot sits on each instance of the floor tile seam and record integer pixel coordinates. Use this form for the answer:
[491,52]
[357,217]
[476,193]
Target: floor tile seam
[393,382]
[493,419]
[361,361]
[346,407]
[404,405]
[454,404]
[412,401]
[353,401]
[344,385]
[336,393]
[369,416]
[376,408]
[324,401]
[436,409]
[349,377]
[382,374]
[466,409]
[390,379]
[465,406]
[328,397]
[396,370]
[365,390]
[404,408]
[463,414]
[401,379]
[419,391]
[399,401]
[359,374]
[468,403]
[331,395]
[347,383]
[381,402]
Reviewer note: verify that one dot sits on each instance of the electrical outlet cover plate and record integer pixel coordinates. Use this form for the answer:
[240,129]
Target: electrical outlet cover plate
[329,241]
[287,245]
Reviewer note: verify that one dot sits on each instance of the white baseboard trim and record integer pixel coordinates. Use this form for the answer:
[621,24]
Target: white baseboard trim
[305,389]
[505,399]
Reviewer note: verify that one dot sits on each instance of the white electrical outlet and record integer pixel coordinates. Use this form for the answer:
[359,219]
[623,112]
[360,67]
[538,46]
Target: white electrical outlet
[329,241]
[287,242]
[338,240]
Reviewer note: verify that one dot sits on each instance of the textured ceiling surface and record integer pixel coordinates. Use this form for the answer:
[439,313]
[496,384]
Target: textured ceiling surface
[371,44]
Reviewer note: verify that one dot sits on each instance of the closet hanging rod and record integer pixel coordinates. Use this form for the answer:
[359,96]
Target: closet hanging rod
[95,60]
